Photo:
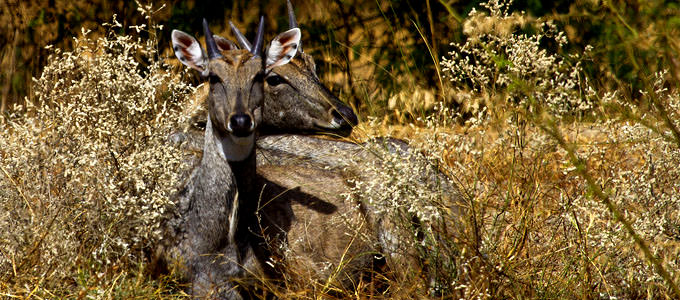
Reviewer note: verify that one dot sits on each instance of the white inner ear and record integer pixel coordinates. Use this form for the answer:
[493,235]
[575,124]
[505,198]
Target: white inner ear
[283,48]
[189,51]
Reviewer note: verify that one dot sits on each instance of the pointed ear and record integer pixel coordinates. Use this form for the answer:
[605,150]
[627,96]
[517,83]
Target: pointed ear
[224,44]
[283,48]
[189,51]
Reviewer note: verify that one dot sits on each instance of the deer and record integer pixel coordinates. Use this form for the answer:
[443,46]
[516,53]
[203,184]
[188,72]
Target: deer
[301,178]
[202,237]
[310,106]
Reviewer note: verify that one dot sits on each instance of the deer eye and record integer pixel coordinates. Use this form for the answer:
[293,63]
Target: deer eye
[274,80]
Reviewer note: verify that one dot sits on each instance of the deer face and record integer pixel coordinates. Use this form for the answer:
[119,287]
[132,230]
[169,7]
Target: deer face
[297,101]
[236,93]
[236,77]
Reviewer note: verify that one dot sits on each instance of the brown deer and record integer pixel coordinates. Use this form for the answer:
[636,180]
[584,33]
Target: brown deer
[309,105]
[301,180]
[202,238]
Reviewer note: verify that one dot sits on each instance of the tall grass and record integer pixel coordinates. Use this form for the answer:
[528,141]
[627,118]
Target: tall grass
[86,167]
[567,187]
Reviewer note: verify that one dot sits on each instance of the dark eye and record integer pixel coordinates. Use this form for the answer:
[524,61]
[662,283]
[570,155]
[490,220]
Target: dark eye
[274,80]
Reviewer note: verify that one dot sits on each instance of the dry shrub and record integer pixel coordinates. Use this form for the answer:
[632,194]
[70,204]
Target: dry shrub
[410,105]
[528,222]
[535,227]
[86,168]
[411,206]
[496,60]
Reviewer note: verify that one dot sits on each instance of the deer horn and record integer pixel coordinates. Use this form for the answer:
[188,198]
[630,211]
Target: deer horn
[292,22]
[242,40]
[213,51]
[257,48]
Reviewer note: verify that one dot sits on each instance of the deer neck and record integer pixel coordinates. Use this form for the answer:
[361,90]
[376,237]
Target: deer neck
[227,146]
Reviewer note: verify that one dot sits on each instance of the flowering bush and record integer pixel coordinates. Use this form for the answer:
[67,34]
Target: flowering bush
[86,168]
[497,60]
[529,220]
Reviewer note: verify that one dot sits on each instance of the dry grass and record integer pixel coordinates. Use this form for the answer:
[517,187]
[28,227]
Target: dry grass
[533,227]
[86,168]
[551,208]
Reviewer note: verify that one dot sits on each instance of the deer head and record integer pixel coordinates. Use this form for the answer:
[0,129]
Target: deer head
[236,79]
[295,99]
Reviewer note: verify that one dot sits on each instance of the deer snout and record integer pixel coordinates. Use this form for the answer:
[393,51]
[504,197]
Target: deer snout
[241,125]
[344,116]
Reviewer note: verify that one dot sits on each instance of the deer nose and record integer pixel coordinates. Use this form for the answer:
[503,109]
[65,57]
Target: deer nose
[344,116]
[241,125]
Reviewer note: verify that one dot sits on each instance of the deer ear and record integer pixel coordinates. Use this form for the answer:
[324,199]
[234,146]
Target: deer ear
[189,51]
[283,48]
[224,44]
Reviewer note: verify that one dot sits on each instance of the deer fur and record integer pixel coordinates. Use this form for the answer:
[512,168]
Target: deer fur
[203,238]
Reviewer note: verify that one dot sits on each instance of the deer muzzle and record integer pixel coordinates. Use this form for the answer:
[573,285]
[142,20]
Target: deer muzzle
[343,117]
[241,125]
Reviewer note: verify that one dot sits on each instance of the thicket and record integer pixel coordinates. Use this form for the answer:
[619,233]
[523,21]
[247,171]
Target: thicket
[378,55]
[86,165]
